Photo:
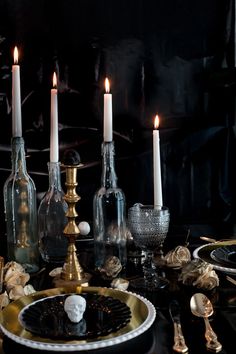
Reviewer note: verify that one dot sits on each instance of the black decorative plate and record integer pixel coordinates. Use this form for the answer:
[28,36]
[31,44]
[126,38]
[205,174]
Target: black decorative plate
[205,253]
[226,254]
[47,318]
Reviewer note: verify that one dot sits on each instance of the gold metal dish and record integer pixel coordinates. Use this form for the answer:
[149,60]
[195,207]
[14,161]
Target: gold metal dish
[143,315]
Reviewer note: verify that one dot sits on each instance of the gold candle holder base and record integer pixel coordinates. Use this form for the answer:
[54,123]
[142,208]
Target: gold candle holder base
[61,283]
[72,272]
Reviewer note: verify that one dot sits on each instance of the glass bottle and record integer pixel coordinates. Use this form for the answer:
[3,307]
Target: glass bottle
[109,213]
[21,211]
[52,219]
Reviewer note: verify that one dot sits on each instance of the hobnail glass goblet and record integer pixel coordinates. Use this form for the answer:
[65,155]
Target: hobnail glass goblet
[149,227]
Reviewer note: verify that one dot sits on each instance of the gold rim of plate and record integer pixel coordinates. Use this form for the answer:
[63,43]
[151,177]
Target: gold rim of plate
[142,310]
[204,253]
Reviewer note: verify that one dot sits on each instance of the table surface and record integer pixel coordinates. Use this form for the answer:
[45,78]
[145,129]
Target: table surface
[159,338]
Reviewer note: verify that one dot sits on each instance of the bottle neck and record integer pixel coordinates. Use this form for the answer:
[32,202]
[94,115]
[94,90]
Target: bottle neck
[109,179]
[18,155]
[54,175]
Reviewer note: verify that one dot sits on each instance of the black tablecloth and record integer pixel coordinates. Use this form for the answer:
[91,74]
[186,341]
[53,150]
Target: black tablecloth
[159,338]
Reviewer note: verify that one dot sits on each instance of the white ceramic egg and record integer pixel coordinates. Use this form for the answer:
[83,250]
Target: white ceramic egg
[84,228]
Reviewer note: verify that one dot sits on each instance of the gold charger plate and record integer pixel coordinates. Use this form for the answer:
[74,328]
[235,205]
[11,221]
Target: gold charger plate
[142,310]
[204,253]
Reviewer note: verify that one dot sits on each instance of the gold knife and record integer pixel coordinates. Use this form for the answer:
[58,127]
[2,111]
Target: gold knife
[179,341]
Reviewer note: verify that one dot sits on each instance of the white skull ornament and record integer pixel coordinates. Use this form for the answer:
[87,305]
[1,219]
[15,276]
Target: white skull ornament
[75,306]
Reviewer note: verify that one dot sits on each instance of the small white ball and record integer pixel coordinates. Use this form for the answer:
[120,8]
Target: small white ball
[84,228]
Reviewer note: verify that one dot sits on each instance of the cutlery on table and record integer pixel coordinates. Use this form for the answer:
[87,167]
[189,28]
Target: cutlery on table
[231,280]
[208,239]
[179,342]
[213,240]
[201,306]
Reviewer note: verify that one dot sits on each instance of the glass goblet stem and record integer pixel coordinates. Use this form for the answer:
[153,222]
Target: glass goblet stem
[149,270]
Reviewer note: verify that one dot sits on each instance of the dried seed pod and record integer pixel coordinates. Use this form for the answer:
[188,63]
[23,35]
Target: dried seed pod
[17,278]
[177,257]
[4,300]
[112,267]
[120,283]
[16,292]
[200,274]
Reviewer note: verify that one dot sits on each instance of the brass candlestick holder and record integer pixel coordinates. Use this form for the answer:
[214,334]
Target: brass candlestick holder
[72,272]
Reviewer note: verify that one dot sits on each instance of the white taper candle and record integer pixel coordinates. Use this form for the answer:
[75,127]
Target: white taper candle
[16,98]
[158,202]
[107,123]
[54,122]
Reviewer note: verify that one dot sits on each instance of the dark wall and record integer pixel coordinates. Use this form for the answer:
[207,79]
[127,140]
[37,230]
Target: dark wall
[171,57]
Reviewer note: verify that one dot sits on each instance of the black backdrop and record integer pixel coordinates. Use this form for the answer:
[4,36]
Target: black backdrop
[174,57]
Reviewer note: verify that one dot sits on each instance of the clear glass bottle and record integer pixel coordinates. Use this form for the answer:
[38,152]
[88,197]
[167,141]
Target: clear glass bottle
[109,213]
[52,219]
[21,211]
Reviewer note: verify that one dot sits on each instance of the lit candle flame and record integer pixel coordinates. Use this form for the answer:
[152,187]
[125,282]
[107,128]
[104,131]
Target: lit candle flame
[15,55]
[156,122]
[54,80]
[107,85]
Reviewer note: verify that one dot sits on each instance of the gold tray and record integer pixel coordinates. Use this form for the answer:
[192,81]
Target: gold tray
[143,315]
[204,253]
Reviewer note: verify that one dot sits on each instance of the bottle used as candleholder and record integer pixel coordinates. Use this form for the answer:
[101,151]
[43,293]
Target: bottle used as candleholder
[52,219]
[109,209]
[21,211]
